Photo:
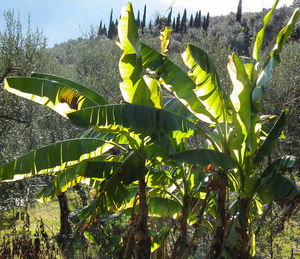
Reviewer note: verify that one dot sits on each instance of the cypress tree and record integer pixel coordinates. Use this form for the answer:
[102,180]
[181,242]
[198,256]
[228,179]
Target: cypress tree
[111,26]
[157,20]
[204,23]
[144,18]
[196,20]
[169,17]
[199,20]
[100,29]
[104,30]
[138,22]
[191,21]
[177,27]
[239,12]
[183,23]
[207,20]
[174,24]
[116,27]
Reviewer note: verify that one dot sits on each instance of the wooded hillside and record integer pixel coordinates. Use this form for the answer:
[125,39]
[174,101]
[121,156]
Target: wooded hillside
[170,178]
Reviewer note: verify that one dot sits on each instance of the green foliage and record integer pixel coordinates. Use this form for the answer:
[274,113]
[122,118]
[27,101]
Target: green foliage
[217,188]
[260,35]
[18,52]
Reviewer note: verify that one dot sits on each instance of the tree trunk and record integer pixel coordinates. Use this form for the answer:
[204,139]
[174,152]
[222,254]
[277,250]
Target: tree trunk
[64,238]
[181,245]
[193,243]
[128,239]
[143,241]
[237,241]
[218,239]
[137,242]
[243,218]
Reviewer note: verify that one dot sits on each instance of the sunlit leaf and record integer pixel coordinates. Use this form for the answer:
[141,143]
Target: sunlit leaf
[175,80]
[55,95]
[84,172]
[165,39]
[253,244]
[135,88]
[53,158]
[73,85]
[260,34]
[128,117]
[244,136]
[173,105]
[273,60]
[163,207]
[204,74]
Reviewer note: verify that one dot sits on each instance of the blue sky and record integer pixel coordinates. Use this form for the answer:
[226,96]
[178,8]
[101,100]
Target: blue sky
[62,20]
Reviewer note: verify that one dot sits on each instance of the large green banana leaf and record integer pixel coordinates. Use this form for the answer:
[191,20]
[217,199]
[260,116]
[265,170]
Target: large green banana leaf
[278,188]
[273,60]
[71,84]
[260,35]
[63,97]
[208,88]
[205,157]
[84,172]
[240,96]
[244,136]
[274,186]
[176,81]
[123,172]
[53,158]
[273,135]
[172,104]
[129,117]
[278,167]
[163,207]
[91,133]
[112,191]
[135,88]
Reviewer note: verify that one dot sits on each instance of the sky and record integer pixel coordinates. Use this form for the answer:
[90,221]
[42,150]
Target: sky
[61,20]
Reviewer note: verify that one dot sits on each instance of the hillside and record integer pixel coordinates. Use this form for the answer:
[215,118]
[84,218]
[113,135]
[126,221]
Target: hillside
[93,61]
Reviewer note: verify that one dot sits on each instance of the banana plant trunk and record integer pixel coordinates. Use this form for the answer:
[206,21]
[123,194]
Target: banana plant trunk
[218,238]
[243,218]
[181,246]
[237,242]
[137,242]
[143,241]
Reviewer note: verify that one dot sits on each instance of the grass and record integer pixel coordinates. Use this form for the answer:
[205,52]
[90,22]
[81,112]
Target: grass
[50,214]
[14,227]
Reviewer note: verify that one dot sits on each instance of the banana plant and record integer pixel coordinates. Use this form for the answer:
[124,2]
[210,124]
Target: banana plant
[239,133]
[150,130]
[129,127]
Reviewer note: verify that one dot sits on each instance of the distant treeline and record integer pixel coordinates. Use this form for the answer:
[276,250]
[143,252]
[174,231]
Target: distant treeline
[178,24]
[236,29]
